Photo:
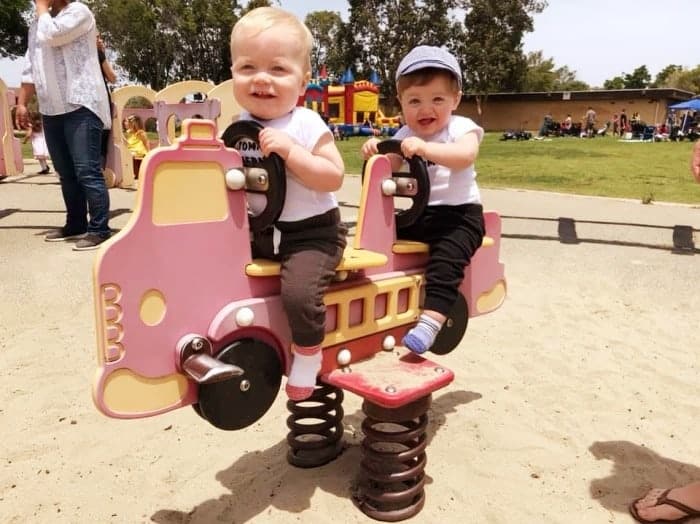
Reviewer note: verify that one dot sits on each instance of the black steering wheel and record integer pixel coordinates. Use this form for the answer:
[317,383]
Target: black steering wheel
[270,179]
[415,183]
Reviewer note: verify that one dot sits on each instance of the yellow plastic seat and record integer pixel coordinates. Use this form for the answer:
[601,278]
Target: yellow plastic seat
[353,260]
[412,246]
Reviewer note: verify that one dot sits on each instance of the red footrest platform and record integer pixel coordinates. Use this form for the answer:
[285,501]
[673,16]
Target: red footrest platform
[391,379]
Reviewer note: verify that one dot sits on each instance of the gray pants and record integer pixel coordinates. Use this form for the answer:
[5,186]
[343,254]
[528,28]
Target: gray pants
[309,252]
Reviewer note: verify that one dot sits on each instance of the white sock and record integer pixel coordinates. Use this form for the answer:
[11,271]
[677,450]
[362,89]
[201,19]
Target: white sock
[306,363]
[421,338]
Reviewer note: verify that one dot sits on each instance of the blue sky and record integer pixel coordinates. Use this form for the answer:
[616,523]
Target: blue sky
[599,39]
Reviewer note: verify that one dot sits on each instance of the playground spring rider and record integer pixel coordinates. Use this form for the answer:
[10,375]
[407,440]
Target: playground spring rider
[186,317]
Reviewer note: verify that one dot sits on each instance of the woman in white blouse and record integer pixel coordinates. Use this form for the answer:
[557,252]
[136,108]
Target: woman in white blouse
[63,70]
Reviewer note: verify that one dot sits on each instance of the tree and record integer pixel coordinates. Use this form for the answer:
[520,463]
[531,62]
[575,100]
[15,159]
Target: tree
[664,74]
[380,32]
[638,79]
[566,81]
[687,80]
[614,83]
[159,42]
[540,75]
[14,27]
[327,30]
[492,50]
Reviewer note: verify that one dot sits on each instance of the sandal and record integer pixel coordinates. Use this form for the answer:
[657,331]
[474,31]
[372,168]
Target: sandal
[663,499]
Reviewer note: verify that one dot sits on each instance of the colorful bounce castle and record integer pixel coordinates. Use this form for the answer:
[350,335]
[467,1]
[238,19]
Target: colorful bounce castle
[350,106]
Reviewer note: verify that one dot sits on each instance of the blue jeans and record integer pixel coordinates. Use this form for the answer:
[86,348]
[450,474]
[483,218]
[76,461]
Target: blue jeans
[74,142]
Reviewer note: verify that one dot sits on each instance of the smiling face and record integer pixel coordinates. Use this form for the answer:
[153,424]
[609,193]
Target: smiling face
[427,105]
[269,70]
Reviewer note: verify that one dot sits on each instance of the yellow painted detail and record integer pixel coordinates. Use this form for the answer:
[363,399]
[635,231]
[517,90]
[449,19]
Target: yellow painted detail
[126,392]
[189,192]
[492,299]
[353,260]
[411,246]
[152,307]
[367,294]
[201,131]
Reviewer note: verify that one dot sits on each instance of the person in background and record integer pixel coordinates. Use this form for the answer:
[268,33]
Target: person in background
[567,124]
[624,123]
[63,70]
[589,121]
[136,141]
[429,87]
[270,56]
[35,133]
[681,503]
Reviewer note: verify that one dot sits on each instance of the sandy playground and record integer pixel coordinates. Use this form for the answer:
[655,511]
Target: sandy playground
[569,401]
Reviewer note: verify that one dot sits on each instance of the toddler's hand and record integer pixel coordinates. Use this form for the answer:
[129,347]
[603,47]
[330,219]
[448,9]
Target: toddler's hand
[369,148]
[275,141]
[413,146]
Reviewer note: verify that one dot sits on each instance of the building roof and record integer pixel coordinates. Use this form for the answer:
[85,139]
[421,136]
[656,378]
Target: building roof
[594,94]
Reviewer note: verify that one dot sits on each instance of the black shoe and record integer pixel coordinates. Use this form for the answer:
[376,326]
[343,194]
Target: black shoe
[44,171]
[89,242]
[60,235]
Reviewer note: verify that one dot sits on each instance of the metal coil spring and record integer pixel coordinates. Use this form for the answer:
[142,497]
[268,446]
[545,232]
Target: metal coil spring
[315,444]
[393,468]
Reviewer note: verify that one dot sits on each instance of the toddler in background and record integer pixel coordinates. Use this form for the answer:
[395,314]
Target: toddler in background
[35,133]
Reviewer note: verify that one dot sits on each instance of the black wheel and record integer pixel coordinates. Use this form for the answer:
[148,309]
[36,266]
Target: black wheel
[243,136]
[418,171]
[240,401]
[453,329]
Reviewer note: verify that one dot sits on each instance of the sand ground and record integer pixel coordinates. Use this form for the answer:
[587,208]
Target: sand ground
[569,401]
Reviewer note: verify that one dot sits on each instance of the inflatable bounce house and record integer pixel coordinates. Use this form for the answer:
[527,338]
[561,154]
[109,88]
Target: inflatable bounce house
[350,106]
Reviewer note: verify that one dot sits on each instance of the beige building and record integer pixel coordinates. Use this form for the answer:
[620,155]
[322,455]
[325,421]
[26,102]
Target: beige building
[516,111]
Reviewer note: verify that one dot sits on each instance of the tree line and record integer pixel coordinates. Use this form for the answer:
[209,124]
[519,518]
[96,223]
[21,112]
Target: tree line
[158,42]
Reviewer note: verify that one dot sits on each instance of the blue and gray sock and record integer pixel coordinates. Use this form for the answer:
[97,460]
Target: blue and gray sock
[421,338]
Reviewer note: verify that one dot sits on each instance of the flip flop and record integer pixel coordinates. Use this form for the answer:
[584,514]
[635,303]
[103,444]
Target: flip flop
[689,512]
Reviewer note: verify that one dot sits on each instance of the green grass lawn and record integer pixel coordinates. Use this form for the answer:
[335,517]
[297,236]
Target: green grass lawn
[603,166]
[648,171]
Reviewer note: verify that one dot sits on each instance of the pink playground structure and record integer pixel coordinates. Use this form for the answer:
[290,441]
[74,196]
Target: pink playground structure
[11,162]
[167,108]
[185,317]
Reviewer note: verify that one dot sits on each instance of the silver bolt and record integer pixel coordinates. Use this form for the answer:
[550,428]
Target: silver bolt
[197,344]
[449,322]
[439,370]
[390,389]
[245,385]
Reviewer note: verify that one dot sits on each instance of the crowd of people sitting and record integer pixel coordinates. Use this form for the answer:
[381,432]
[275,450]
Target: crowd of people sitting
[675,128]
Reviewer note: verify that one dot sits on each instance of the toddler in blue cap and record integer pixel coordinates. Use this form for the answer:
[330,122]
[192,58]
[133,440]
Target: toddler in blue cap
[429,88]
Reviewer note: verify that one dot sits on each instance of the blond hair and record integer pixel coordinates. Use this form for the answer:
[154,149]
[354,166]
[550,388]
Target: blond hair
[263,18]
